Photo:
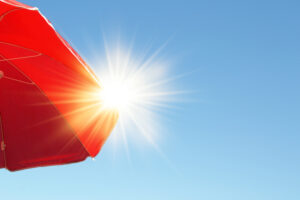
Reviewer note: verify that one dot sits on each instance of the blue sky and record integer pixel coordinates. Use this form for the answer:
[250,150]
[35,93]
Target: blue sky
[236,138]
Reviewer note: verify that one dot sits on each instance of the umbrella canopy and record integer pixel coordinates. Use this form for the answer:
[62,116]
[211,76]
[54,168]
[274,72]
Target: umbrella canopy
[49,110]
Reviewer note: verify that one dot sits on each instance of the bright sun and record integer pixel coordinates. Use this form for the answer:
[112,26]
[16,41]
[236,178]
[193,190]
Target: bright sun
[117,94]
[138,87]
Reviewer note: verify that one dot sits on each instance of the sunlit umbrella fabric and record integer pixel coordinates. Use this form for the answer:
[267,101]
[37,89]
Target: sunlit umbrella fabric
[49,113]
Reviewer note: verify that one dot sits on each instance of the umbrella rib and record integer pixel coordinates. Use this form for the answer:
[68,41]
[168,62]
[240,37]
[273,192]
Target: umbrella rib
[8,12]
[20,58]
[11,64]
[40,54]
[4,59]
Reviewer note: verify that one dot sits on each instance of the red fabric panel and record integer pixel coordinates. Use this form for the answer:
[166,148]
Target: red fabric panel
[34,131]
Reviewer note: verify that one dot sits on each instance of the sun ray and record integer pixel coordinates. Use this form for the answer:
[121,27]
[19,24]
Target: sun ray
[139,87]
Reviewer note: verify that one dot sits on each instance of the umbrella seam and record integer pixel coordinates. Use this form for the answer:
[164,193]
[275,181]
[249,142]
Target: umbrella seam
[8,12]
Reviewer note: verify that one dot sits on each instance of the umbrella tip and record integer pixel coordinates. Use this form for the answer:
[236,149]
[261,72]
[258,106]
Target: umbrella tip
[1,74]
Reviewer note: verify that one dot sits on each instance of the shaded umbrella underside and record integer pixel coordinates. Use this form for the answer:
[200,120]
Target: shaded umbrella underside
[45,117]
[33,130]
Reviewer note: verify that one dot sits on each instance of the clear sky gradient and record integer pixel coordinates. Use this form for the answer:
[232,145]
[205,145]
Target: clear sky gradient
[236,138]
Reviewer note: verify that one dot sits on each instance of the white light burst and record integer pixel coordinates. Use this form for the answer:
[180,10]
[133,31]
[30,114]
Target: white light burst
[138,87]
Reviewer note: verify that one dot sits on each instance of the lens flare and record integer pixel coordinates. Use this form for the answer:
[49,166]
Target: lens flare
[118,94]
[139,88]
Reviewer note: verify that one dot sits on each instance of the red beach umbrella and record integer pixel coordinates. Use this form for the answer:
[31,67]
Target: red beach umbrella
[49,111]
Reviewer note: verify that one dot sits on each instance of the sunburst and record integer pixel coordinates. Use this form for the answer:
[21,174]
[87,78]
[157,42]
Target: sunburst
[138,89]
